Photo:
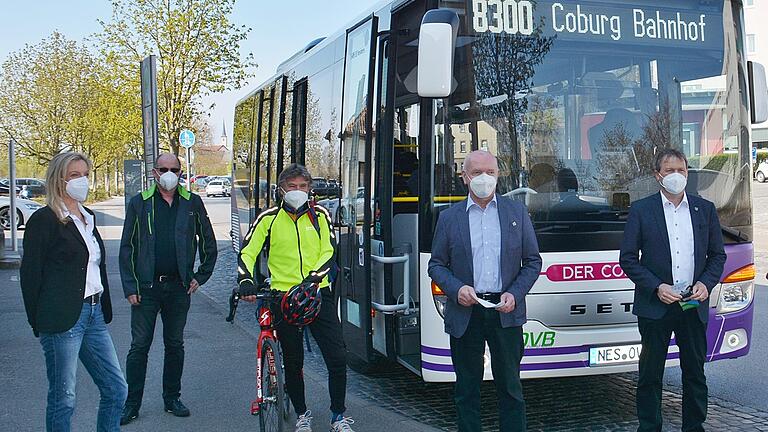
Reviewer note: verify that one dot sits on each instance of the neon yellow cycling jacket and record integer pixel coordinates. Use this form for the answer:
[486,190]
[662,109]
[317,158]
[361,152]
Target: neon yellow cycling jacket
[300,247]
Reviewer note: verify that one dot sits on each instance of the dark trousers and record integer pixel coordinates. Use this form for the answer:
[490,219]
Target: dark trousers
[326,330]
[506,345]
[690,334]
[172,302]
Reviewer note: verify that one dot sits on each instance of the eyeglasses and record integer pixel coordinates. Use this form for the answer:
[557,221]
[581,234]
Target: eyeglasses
[165,170]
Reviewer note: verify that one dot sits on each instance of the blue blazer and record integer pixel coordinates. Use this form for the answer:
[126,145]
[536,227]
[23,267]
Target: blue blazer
[645,256]
[451,264]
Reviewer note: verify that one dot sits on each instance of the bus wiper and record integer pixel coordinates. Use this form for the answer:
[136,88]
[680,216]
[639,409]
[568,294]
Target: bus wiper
[734,233]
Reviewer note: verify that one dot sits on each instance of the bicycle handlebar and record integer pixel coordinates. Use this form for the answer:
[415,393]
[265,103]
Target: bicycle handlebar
[261,292]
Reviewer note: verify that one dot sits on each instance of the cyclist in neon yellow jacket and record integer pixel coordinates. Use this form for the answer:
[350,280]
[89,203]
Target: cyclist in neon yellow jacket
[300,246]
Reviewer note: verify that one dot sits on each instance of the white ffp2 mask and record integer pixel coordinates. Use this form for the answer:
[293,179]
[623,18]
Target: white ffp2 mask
[77,189]
[296,198]
[483,185]
[674,183]
[169,181]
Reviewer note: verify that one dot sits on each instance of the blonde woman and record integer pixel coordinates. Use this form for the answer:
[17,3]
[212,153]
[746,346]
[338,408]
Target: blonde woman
[66,296]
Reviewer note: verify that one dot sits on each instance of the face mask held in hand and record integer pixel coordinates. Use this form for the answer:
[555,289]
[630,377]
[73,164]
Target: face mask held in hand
[77,189]
[483,185]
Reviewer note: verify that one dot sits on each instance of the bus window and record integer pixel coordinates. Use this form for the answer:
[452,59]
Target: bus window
[405,179]
[575,126]
[242,187]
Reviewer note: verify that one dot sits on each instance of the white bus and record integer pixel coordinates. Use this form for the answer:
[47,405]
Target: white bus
[573,97]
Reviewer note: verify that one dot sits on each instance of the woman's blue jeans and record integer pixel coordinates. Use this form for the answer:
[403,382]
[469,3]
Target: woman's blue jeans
[89,340]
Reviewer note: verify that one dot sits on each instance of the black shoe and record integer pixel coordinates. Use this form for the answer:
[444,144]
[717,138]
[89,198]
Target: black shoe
[130,413]
[176,408]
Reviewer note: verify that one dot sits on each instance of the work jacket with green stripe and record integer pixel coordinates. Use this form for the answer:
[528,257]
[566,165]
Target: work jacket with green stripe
[299,247]
[137,246]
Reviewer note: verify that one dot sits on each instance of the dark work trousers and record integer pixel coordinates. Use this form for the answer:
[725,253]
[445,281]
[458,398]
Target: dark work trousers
[691,338]
[171,300]
[506,345]
[326,330]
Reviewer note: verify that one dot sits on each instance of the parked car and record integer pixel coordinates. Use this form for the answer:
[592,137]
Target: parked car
[761,174]
[341,214]
[324,189]
[24,209]
[218,187]
[35,187]
[5,186]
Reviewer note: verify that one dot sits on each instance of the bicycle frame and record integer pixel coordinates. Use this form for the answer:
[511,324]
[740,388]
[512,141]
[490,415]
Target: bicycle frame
[265,297]
[267,332]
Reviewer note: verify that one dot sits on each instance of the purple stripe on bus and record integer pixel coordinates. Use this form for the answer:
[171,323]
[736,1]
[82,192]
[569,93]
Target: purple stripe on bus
[554,365]
[436,351]
[436,367]
[443,352]
[739,255]
[531,366]
[529,352]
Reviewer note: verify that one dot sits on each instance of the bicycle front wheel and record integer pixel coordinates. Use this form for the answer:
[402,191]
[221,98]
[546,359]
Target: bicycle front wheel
[271,417]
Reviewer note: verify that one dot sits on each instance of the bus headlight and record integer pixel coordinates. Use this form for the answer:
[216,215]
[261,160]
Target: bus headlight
[440,299]
[736,290]
[735,296]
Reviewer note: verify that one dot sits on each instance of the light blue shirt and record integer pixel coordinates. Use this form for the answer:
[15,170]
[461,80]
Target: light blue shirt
[485,234]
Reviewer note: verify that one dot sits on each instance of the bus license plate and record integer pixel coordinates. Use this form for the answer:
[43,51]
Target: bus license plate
[610,355]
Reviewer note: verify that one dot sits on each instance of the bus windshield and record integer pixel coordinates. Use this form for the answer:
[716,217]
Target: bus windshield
[574,98]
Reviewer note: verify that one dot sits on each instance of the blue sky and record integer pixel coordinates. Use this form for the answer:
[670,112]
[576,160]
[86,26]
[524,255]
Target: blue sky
[278,31]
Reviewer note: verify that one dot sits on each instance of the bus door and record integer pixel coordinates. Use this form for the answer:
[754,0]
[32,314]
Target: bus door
[396,215]
[394,230]
[355,212]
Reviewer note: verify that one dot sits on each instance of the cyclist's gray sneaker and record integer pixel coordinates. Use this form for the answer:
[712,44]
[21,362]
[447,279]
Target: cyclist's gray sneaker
[304,423]
[343,425]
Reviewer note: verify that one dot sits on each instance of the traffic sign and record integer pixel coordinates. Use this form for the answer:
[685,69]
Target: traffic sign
[187,138]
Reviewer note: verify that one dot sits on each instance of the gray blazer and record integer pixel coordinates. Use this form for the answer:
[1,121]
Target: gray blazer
[451,264]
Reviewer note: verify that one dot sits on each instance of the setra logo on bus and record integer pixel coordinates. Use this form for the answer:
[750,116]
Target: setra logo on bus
[538,339]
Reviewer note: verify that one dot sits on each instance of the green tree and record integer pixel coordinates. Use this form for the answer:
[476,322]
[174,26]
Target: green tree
[44,93]
[197,48]
[57,96]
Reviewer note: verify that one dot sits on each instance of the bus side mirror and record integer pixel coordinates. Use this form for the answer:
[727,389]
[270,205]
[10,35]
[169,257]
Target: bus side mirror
[437,41]
[758,92]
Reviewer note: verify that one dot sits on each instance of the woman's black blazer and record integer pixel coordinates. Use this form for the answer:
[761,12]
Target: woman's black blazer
[53,270]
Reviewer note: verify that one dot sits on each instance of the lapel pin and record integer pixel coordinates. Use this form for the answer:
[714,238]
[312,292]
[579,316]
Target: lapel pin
[514,223]
[695,209]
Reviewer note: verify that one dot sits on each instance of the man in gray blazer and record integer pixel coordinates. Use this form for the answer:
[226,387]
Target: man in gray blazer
[485,250]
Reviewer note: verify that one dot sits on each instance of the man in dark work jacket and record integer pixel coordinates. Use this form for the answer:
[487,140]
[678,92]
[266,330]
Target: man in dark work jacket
[164,227]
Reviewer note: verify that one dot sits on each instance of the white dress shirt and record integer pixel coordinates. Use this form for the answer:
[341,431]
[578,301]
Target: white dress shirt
[93,272]
[485,235]
[680,232]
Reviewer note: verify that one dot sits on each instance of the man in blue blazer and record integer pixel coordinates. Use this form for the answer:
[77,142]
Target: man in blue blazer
[673,252]
[485,251]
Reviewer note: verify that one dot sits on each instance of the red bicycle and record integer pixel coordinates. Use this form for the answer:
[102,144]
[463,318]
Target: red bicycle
[272,404]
